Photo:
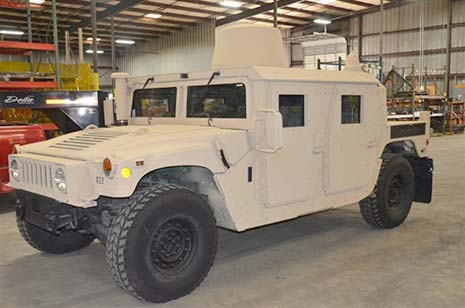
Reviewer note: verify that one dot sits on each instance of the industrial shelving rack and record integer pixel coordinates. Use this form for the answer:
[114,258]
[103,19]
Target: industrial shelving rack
[31,80]
[25,81]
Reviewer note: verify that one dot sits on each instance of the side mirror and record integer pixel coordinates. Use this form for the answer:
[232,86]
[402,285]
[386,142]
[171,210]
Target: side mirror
[270,130]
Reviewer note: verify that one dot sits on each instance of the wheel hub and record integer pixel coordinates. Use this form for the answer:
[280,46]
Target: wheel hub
[172,246]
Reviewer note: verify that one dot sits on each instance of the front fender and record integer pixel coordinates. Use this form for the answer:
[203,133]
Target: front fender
[218,156]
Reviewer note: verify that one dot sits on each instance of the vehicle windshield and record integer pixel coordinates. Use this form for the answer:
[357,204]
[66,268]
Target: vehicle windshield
[160,102]
[220,101]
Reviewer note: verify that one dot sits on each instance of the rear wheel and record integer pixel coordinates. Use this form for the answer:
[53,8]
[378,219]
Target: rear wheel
[162,243]
[392,197]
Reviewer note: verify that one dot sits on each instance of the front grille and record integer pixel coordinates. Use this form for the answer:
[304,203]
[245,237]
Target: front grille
[36,174]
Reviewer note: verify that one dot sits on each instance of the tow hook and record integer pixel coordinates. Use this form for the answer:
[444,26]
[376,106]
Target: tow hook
[19,209]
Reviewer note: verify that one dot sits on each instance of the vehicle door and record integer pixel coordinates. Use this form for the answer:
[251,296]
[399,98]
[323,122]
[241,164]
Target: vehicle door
[287,172]
[351,145]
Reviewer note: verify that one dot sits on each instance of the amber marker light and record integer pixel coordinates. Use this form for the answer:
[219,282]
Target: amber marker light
[107,166]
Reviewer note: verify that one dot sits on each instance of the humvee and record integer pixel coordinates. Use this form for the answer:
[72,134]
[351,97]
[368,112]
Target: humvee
[247,144]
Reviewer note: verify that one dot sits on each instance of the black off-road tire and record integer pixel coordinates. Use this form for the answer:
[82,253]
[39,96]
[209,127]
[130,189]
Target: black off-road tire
[392,198]
[162,243]
[67,241]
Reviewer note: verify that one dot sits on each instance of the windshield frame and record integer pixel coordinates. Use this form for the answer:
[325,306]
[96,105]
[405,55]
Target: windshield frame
[181,107]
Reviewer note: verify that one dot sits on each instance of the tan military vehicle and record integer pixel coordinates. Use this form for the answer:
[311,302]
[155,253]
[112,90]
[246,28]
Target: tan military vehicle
[246,144]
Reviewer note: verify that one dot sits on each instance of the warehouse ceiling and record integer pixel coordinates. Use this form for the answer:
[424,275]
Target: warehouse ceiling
[141,20]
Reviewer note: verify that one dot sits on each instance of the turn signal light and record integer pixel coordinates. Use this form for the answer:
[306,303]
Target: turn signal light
[107,166]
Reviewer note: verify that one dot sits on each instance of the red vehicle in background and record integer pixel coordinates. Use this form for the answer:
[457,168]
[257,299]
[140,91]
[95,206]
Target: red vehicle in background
[16,133]
[27,117]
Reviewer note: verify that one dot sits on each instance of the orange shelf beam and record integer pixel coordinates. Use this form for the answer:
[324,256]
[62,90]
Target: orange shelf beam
[28,85]
[11,4]
[15,47]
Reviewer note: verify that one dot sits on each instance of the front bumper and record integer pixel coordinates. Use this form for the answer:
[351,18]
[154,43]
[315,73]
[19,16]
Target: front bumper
[46,213]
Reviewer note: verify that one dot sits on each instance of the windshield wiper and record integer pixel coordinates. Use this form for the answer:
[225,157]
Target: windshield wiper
[204,94]
[150,79]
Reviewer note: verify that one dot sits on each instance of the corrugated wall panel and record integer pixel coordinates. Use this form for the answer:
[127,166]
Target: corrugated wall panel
[187,50]
[353,26]
[408,17]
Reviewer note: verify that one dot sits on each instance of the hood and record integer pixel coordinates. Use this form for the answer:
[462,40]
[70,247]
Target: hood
[124,141]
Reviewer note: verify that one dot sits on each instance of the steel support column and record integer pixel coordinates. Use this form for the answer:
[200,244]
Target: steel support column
[93,9]
[113,51]
[29,34]
[55,42]
[360,38]
[275,13]
[381,38]
[448,51]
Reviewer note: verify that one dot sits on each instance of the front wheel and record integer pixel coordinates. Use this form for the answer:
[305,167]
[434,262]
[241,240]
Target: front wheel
[392,197]
[162,243]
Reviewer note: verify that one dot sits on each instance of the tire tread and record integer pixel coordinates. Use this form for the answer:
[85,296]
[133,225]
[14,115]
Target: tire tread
[369,206]
[117,239]
[63,243]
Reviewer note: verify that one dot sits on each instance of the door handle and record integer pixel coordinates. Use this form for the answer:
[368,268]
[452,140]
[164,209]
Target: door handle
[371,143]
[317,149]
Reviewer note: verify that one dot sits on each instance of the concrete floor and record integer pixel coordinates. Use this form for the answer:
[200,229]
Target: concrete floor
[332,259]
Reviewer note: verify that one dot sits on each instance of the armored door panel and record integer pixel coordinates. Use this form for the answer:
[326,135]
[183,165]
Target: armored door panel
[351,144]
[294,173]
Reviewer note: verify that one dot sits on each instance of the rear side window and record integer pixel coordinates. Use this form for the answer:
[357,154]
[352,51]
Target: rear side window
[291,108]
[159,102]
[351,106]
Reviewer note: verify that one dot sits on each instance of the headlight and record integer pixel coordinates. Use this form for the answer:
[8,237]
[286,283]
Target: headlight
[14,170]
[60,180]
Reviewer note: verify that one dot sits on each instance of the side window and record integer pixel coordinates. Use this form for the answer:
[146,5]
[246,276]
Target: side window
[292,110]
[351,106]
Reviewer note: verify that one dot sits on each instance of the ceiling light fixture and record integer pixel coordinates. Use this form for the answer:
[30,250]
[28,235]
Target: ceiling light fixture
[231,3]
[322,21]
[89,39]
[37,1]
[11,32]
[153,15]
[99,52]
[125,42]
